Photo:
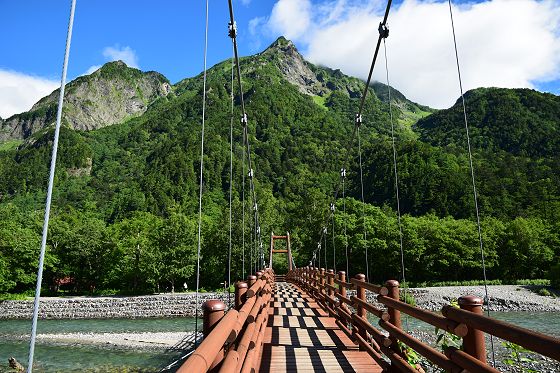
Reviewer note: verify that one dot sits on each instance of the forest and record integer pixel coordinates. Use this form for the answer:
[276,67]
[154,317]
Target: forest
[125,205]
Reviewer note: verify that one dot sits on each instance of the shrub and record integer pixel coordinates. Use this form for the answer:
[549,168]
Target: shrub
[407,297]
[544,292]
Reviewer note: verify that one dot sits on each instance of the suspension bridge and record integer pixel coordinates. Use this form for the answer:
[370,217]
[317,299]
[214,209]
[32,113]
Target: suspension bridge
[317,319]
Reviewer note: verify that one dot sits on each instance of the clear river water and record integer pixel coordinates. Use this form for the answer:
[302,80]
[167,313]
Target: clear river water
[74,358]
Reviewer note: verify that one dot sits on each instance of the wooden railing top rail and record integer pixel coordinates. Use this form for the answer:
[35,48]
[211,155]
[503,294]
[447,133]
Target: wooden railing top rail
[232,340]
[466,322]
[534,341]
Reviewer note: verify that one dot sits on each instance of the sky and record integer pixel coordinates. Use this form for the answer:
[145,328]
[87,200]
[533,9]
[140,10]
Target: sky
[503,43]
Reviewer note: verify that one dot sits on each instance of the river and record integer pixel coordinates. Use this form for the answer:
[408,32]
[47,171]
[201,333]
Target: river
[76,358]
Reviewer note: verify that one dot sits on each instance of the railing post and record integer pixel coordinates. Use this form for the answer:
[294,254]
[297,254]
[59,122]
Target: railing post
[212,312]
[342,289]
[251,279]
[322,281]
[473,342]
[361,294]
[394,315]
[331,283]
[240,290]
[316,282]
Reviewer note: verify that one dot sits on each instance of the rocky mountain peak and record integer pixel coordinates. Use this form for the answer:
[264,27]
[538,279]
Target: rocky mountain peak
[110,95]
[282,45]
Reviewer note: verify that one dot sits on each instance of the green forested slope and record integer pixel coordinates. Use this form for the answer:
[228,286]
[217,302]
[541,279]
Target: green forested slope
[125,203]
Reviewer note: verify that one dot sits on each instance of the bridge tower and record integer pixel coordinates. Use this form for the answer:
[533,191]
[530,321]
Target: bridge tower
[288,249]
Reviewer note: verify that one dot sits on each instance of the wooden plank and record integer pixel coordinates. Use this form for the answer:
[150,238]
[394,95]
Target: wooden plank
[300,337]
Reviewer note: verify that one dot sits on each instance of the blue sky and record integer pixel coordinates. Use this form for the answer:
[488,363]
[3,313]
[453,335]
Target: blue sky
[166,36]
[501,43]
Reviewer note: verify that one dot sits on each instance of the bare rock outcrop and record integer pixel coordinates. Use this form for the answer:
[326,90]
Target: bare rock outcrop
[110,95]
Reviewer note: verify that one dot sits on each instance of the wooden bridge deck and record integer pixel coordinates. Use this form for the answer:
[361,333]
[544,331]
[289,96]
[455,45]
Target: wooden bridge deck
[301,337]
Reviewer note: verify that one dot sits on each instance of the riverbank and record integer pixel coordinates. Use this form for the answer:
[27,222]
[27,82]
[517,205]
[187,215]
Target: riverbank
[144,340]
[144,306]
[502,298]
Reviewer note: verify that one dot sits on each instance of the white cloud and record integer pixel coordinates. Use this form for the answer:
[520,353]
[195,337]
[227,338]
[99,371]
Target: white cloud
[291,18]
[125,54]
[115,53]
[18,91]
[245,2]
[255,26]
[503,43]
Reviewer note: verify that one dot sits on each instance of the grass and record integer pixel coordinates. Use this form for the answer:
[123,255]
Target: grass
[22,296]
[10,145]
[319,100]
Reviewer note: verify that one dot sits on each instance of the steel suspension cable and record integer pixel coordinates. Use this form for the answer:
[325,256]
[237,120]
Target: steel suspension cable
[473,179]
[396,173]
[199,238]
[333,243]
[244,119]
[343,175]
[243,213]
[325,249]
[358,118]
[50,189]
[363,202]
[230,183]
[368,81]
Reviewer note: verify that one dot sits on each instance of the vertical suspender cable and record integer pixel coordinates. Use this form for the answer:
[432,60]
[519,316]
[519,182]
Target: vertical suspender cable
[49,190]
[325,249]
[343,175]
[244,120]
[396,174]
[333,244]
[475,195]
[243,213]
[363,202]
[201,175]
[361,108]
[230,183]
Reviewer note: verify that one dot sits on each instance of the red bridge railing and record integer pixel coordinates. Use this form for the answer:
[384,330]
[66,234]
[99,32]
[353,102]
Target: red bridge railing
[233,340]
[467,322]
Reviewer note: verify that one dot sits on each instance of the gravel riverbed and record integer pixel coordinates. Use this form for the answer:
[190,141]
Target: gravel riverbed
[142,340]
[501,297]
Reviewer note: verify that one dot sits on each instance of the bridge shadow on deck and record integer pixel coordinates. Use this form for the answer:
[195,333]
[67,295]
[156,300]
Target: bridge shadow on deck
[301,337]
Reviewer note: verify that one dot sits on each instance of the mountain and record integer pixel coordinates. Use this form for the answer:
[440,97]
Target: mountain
[125,206]
[519,121]
[411,112]
[108,96]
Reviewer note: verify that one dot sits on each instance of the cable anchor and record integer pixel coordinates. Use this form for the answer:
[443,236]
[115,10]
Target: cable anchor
[358,120]
[232,30]
[343,173]
[383,30]
[332,207]
[244,120]
[251,173]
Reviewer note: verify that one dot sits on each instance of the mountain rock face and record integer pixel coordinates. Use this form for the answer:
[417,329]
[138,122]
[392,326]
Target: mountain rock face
[310,79]
[110,95]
